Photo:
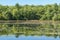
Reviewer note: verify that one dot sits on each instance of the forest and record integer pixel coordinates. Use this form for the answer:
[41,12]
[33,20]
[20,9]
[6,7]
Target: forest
[30,12]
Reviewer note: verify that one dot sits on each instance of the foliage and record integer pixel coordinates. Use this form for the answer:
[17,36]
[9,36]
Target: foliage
[30,12]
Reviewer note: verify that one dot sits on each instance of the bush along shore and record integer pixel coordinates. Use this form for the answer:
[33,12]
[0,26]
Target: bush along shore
[30,12]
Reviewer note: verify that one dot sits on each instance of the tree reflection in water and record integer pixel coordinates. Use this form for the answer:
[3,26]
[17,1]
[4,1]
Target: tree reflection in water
[48,29]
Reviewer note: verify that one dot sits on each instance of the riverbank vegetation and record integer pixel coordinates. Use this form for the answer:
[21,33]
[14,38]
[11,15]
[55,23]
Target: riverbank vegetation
[30,12]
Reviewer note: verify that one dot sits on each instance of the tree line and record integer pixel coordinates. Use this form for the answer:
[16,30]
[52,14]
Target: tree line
[30,12]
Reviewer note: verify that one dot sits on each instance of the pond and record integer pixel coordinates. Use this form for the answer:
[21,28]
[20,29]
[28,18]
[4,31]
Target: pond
[41,31]
[22,37]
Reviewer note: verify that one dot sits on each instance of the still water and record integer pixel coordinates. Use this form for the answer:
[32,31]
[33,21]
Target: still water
[41,31]
[22,37]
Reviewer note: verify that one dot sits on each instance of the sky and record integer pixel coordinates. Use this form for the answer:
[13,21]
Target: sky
[29,2]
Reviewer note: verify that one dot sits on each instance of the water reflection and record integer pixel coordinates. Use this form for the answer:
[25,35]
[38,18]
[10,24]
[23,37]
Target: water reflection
[22,37]
[47,29]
